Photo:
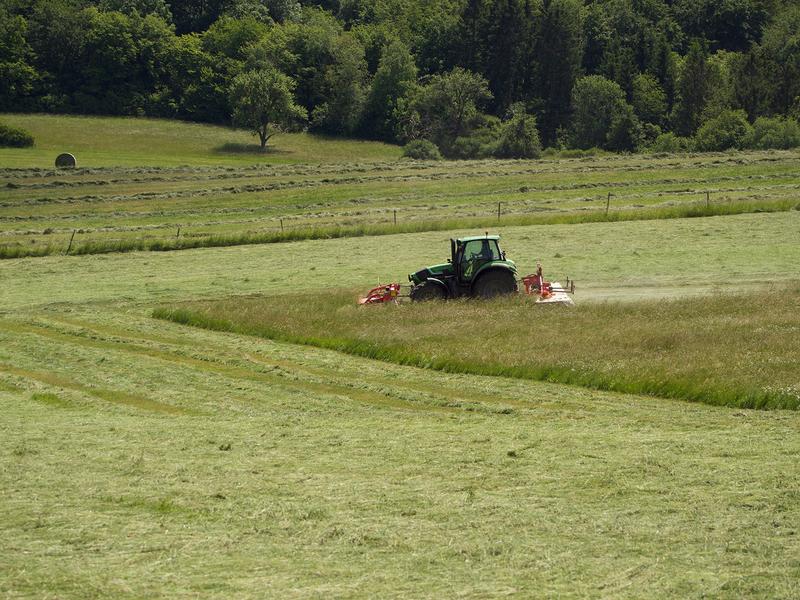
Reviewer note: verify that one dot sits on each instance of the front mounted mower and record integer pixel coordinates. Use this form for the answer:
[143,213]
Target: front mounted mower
[477,268]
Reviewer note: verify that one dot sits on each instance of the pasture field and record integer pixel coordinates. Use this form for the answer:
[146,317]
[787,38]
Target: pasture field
[138,143]
[145,458]
[189,193]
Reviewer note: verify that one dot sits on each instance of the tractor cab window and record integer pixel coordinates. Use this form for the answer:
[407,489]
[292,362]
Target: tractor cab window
[475,254]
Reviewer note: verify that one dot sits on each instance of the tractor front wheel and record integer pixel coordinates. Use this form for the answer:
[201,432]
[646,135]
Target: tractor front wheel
[427,290]
[495,283]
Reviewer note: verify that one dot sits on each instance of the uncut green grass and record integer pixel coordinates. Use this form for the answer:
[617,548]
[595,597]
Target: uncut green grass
[726,349]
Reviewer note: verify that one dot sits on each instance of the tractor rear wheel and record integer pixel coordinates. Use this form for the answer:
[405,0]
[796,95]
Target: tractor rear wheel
[427,290]
[495,283]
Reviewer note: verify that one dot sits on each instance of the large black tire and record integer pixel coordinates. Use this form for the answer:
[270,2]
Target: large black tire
[495,283]
[427,290]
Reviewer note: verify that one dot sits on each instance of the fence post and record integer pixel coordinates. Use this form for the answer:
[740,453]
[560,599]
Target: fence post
[708,199]
[281,225]
[177,235]
[395,216]
[498,210]
[70,242]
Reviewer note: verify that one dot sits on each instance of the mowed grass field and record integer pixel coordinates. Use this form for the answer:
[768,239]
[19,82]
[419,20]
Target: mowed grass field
[144,458]
[175,185]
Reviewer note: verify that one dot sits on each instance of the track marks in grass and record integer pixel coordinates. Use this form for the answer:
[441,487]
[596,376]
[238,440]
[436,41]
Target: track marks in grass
[112,396]
[444,393]
[286,376]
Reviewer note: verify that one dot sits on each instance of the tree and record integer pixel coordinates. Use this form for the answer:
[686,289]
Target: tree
[265,11]
[753,87]
[648,99]
[728,130]
[625,133]
[263,103]
[346,89]
[519,137]
[727,24]
[596,103]
[781,47]
[195,15]
[775,132]
[144,7]
[231,37]
[394,81]
[449,106]
[559,49]
[17,76]
[693,90]
[504,53]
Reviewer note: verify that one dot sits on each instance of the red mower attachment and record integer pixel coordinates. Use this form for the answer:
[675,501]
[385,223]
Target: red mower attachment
[381,294]
[554,292]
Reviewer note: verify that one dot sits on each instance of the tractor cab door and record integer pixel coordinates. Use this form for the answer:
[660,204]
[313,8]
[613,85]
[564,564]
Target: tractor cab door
[473,255]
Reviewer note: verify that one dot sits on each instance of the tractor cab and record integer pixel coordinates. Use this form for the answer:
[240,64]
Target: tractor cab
[469,255]
[477,267]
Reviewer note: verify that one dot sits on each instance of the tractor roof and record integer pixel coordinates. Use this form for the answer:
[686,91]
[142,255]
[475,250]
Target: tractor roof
[477,237]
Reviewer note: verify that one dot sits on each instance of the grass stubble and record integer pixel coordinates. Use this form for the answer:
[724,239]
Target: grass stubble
[301,486]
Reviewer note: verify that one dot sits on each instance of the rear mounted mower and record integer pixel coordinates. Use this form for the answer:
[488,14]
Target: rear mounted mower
[477,268]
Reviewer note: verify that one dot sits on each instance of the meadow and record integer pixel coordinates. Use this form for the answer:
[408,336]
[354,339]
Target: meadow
[147,458]
[187,194]
[722,350]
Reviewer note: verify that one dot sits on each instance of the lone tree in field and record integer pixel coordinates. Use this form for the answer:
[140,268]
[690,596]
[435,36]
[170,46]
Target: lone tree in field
[263,102]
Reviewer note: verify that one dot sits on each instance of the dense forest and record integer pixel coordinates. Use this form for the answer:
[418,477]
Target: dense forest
[466,78]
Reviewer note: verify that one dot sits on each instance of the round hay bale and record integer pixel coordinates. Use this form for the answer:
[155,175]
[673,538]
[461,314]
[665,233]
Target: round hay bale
[66,161]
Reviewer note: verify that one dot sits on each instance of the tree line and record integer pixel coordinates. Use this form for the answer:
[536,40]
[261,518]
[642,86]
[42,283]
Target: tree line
[467,78]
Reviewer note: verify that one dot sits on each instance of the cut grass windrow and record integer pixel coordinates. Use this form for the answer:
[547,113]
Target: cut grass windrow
[106,246]
[724,350]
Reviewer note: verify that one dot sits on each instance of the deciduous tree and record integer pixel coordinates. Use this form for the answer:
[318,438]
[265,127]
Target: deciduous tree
[263,103]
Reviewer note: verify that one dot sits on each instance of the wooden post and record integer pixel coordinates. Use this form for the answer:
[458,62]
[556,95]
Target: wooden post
[708,199]
[177,235]
[498,210]
[395,216]
[70,242]
[608,203]
[281,224]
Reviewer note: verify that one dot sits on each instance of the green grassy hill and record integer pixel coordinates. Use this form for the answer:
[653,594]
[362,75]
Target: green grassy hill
[121,141]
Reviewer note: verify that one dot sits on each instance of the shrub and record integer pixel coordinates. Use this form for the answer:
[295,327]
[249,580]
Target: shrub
[728,130]
[578,153]
[12,137]
[625,133]
[421,150]
[774,133]
[477,145]
[519,137]
[481,142]
[669,142]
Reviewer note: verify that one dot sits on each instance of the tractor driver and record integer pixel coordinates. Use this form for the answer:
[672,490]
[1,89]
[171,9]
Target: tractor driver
[476,259]
[486,251]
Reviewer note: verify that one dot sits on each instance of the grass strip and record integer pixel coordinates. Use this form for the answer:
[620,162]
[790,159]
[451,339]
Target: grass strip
[378,229]
[723,350]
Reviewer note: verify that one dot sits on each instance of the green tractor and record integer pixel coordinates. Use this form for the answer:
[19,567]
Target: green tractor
[477,268]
